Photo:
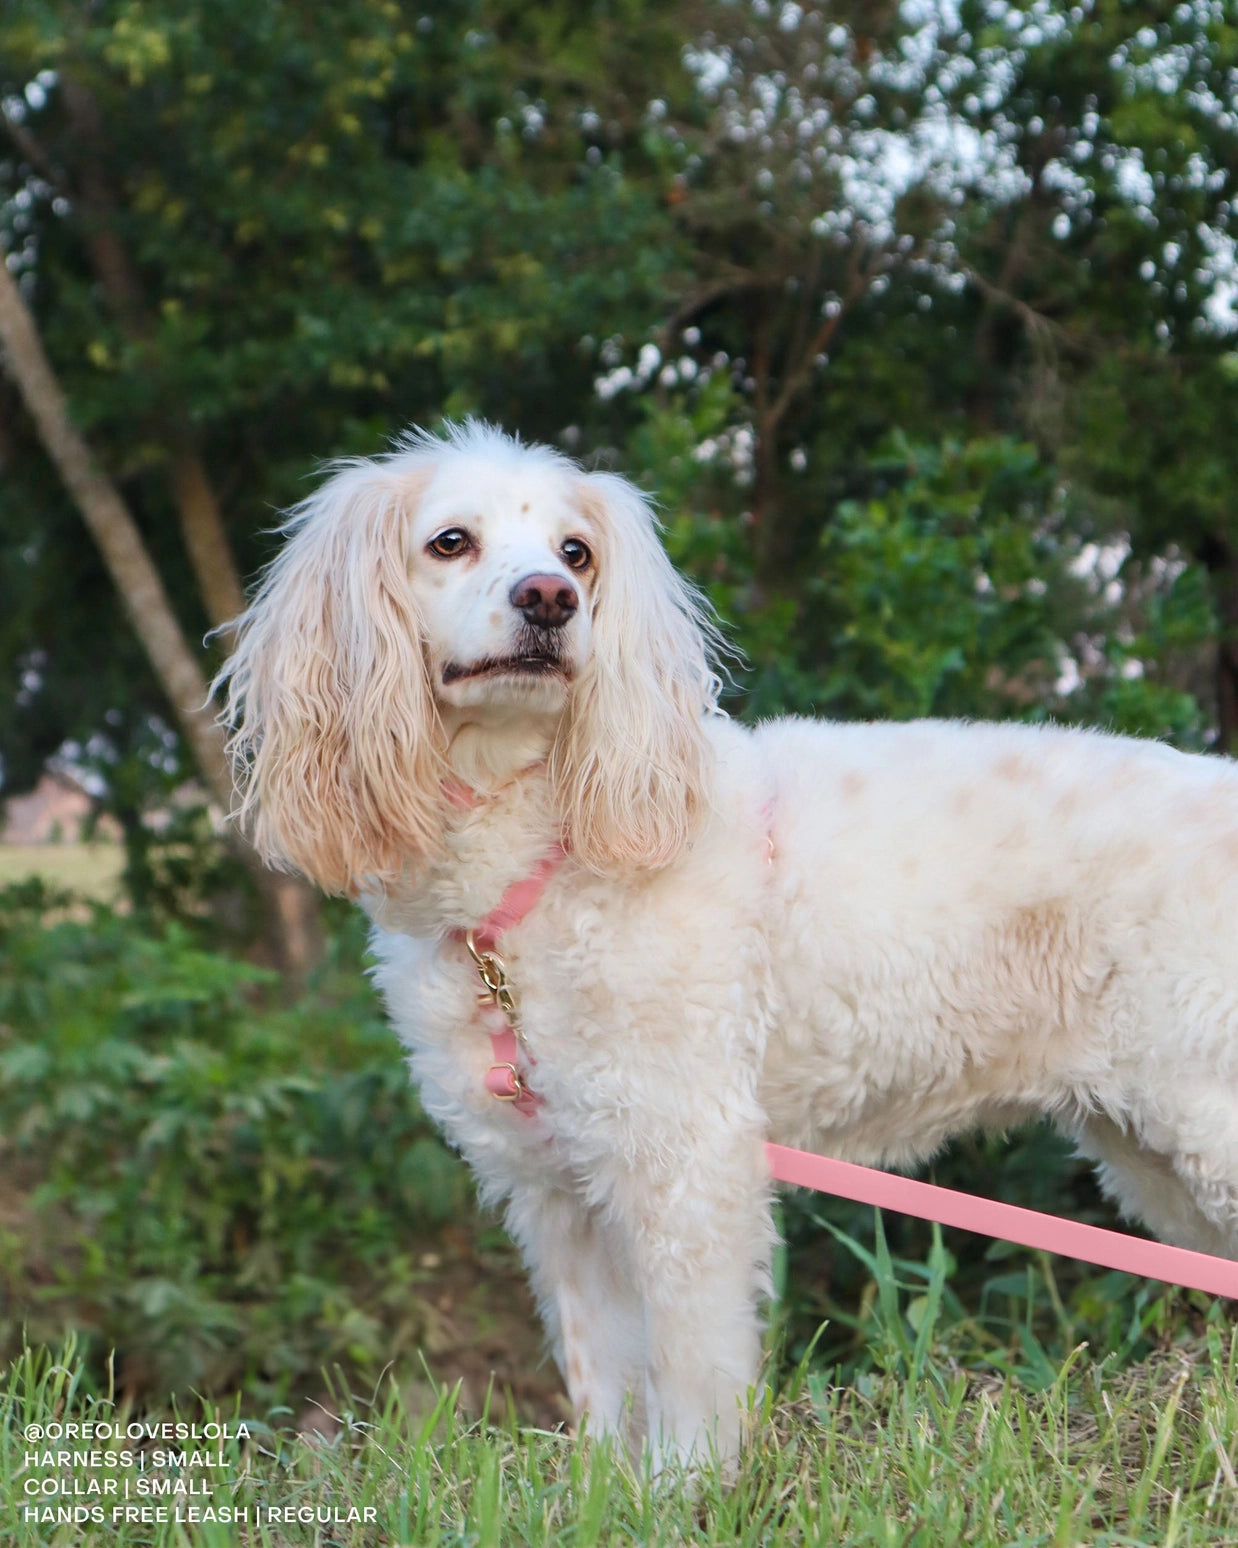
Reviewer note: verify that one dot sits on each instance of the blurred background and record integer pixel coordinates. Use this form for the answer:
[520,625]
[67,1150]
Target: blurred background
[920,320]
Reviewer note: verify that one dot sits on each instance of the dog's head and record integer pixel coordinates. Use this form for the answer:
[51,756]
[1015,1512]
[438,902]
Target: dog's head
[465,587]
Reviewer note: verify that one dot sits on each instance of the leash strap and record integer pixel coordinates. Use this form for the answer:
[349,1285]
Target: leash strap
[1006,1222]
[503,1080]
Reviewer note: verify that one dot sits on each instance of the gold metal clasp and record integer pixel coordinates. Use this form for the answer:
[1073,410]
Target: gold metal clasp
[496,989]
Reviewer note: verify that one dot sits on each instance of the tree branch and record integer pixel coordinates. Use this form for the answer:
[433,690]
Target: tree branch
[33,153]
[202,529]
[1042,329]
[733,283]
[798,372]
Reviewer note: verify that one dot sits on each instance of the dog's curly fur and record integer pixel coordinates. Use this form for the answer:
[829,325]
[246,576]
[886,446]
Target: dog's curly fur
[855,938]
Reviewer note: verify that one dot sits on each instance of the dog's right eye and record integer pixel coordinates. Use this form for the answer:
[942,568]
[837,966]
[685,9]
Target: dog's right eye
[450,544]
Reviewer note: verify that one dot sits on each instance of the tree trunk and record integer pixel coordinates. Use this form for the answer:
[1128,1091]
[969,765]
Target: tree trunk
[201,521]
[778,546]
[202,529]
[116,534]
[1223,568]
[120,543]
[1227,690]
[291,904]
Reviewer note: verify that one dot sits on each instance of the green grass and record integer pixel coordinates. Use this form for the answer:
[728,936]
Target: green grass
[1142,1457]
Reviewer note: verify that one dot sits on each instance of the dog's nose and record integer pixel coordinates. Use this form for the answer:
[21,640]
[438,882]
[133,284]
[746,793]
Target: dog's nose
[547,601]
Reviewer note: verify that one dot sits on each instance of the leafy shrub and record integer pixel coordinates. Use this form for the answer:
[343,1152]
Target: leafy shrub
[222,1189]
[948,578]
[229,1193]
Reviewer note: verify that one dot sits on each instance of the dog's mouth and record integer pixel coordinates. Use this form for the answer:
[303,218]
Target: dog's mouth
[525,664]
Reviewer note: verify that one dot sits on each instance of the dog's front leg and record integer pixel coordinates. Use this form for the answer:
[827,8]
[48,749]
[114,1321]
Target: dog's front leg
[589,1302]
[697,1217]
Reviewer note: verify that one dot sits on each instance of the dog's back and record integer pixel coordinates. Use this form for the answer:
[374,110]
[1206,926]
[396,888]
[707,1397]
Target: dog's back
[974,923]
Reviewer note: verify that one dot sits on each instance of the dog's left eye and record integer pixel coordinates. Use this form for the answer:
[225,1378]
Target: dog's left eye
[447,545]
[576,554]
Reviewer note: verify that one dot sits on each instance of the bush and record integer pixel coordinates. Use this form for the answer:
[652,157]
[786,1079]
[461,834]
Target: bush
[224,1190]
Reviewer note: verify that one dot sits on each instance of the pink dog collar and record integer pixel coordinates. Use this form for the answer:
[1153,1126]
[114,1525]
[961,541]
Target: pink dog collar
[520,899]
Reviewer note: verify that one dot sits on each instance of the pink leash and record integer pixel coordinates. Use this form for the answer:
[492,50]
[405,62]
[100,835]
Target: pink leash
[1006,1222]
[862,1184]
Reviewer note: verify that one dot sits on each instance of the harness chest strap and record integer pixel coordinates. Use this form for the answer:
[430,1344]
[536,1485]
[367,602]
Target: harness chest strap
[503,1079]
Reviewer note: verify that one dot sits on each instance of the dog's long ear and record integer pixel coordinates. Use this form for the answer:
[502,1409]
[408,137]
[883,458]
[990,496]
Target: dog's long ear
[630,763]
[335,739]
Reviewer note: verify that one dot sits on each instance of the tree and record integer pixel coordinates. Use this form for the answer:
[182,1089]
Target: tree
[253,238]
[259,236]
[990,221]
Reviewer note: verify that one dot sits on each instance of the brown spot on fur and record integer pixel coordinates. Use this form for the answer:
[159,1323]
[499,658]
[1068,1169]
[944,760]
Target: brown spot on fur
[1036,926]
[851,785]
[1013,766]
[963,800]
[1136,857]
[1011,1003]
[1038,947]
[1126,774]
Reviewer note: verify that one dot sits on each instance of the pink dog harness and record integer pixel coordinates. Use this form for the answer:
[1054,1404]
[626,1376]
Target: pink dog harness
[861,1184]
[496,997]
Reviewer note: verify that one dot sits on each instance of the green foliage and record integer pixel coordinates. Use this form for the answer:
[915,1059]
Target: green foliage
[991,1305]
[220,1190]
[939,594]
[227,1193]
[338,225]
[958,583]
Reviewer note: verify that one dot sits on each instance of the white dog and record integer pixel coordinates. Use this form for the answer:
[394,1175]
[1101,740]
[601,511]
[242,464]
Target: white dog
[472,679]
